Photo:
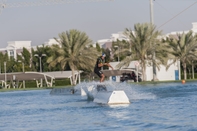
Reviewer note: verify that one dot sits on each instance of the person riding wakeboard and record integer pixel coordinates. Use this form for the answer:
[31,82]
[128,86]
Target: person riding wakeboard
[99,64]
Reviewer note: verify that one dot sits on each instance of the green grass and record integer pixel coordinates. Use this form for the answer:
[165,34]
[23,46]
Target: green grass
[171,81]
[69,86]
[33,88]
[20,89]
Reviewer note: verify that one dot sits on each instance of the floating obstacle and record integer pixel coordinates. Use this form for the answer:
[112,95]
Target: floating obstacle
[103,94]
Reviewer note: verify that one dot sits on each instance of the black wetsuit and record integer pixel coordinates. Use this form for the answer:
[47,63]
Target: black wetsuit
[97,69]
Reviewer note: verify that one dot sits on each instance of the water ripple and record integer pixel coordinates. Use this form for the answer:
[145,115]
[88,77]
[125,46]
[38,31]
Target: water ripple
[162,107]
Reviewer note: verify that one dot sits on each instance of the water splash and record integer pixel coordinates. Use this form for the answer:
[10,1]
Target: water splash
[133,91]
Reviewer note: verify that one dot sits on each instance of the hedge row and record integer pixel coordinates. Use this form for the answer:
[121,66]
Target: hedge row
[31,84]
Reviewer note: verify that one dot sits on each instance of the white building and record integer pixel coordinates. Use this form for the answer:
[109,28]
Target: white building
[173,72]
[102,42]
[16,47]
[194,29]
[107,43]
[118,36]
[50,42]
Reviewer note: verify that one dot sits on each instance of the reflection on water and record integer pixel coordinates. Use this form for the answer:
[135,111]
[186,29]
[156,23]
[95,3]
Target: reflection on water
[170,106]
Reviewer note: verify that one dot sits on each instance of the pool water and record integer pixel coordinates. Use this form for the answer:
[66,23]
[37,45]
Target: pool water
[159,107]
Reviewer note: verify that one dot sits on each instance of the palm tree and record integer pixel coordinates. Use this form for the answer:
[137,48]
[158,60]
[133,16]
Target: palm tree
[182,47]
[144,41]
[121,49]
[74,50]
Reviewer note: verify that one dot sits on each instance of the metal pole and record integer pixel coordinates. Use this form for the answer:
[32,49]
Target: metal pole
[152,22]
[40,57]
[151,12]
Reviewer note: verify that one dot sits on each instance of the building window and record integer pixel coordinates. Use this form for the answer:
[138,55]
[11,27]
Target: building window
[12,53]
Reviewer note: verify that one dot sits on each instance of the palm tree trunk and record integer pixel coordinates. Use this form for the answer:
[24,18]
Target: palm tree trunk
[192,70]
[73,77]
[185,71]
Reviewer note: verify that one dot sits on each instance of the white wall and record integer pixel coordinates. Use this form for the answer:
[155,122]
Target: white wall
[149,73]
[162,74]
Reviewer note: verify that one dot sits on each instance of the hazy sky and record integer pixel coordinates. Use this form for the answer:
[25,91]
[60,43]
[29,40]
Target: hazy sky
[98,19]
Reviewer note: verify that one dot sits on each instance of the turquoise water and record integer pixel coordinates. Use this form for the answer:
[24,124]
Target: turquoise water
[161,107]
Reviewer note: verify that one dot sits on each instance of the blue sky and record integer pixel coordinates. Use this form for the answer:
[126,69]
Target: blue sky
[98,19]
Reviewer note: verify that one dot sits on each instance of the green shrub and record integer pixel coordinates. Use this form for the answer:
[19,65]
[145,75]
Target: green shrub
[30,84]
[61,82]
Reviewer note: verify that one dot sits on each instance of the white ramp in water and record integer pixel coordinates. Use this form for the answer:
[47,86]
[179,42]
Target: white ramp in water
[111,97]
[104,94]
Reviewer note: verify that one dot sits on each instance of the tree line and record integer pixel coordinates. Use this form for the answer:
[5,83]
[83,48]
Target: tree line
[76,52]
[145,40]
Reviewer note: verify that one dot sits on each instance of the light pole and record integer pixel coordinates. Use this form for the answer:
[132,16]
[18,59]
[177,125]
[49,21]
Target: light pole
[152,22]
[40,57]
[151,12]
[118,52]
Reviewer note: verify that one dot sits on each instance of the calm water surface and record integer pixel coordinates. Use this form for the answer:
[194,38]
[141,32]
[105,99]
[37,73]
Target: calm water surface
[161,107]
